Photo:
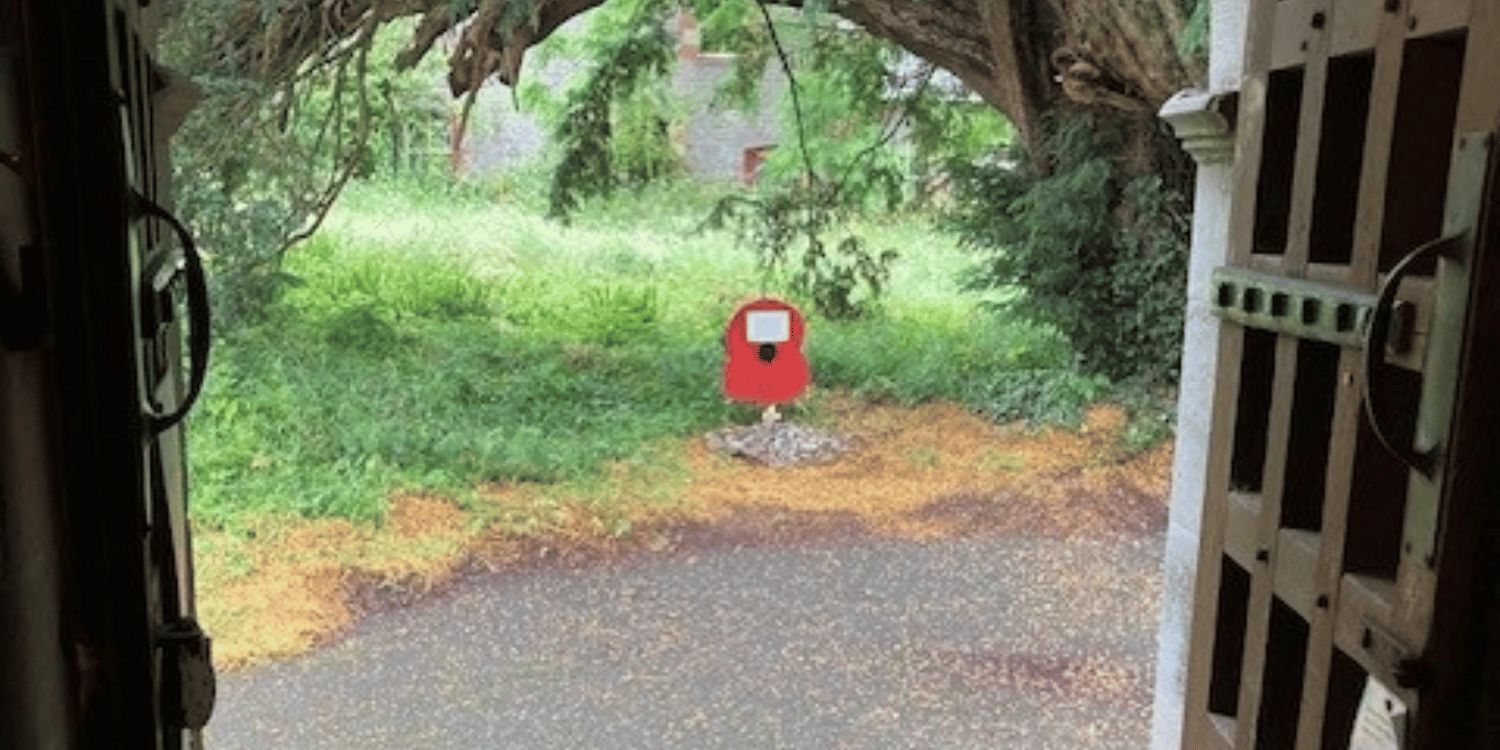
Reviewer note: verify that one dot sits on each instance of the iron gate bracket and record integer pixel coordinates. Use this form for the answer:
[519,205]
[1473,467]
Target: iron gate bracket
[1295,306]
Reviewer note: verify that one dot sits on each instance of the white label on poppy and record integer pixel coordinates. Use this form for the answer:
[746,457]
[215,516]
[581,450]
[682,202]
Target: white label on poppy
[1381,721]
[768,326]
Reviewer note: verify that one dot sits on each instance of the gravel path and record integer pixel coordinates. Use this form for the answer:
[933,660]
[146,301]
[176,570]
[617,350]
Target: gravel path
[985,642]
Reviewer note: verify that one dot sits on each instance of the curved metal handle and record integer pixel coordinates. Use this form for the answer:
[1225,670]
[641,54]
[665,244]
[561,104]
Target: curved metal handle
[1375,340]
[198,311]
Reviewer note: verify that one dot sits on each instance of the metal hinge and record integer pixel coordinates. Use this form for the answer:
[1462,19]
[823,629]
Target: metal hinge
[1400,662]
[188,686]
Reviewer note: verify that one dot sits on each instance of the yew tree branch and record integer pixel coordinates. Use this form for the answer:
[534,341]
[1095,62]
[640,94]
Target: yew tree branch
[1120,55]
[791,78]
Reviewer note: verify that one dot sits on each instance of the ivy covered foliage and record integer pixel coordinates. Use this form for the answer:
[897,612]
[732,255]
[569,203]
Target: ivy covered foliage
[1096,244]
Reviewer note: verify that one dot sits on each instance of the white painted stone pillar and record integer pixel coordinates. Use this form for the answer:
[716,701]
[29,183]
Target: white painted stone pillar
[1203,120]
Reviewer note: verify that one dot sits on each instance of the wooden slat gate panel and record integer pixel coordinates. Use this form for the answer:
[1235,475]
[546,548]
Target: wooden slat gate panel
[111,270]
[1366,130]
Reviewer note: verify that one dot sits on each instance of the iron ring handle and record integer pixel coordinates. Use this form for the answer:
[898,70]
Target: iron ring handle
[198,312]
[1375,340]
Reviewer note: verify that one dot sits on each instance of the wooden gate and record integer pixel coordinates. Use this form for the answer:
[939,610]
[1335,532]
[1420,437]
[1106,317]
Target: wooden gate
[1344,546]
[101,288]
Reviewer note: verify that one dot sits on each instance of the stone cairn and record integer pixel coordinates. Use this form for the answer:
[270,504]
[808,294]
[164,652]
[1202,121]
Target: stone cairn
[777,443]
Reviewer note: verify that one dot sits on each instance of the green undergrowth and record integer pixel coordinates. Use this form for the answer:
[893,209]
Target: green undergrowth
[436,338]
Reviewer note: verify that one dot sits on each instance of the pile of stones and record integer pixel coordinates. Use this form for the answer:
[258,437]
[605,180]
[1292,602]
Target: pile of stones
[777,443]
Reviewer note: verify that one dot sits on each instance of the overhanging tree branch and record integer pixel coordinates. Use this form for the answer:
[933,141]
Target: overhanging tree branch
[895,127]
[350,162]
[1103,54]
[791,79]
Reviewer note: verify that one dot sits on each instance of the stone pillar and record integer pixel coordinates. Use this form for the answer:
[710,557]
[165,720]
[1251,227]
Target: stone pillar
[1204,121]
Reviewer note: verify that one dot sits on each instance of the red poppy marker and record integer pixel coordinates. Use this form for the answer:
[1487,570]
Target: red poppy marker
[763,360]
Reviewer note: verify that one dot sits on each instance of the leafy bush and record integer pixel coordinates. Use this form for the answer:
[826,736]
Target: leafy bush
[611,316]
[1043,395]
[357,327]
[393,285]
[432,288]
[241,241]
[1099,251]
[261,160]
[1006,371]
[1152,414]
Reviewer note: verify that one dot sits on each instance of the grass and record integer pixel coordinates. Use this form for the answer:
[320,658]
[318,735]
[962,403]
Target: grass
[453,380]
[442,338]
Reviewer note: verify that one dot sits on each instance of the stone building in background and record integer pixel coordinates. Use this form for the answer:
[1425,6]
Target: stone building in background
[714,142]
[718,142]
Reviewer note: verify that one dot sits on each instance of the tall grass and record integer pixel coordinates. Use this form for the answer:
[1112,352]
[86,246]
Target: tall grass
[440,337]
